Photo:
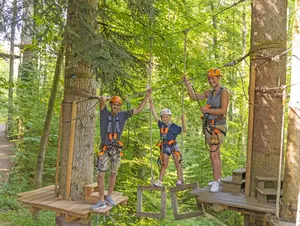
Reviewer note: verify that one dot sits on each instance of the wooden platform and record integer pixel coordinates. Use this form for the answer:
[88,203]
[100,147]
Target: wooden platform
[45,199]
[236,202]
[273,222]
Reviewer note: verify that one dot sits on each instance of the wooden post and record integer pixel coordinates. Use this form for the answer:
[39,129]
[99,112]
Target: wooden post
[298,211]
[250,128]
[58,149]
[71,150]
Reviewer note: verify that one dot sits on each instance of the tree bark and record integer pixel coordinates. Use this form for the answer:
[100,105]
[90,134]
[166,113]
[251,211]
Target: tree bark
[46,130]
[11,67]
[291,181]
[268,38]
[79,83]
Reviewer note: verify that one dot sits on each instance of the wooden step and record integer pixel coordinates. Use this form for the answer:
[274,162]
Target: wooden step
[267,182]
[267,178]
[90,188]
[229,186]
[266,195]
[238,175]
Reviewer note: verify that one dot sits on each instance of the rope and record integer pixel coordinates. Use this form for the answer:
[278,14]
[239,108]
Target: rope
[182,103]
[214,15]
[150,81]
[81,116]
[281,155]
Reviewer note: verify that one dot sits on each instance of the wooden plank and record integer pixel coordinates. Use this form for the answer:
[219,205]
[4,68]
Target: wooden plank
[240,198]
[234,204]
[188,215]
[273,222]
[250,128]
[92,185]
[184,187]
[239,171]
[232,200]
[39,195]
[90,188]
[177,215]
[118,201]
[33,192]
[267,191]
[71,151]
[151,188]
[58,149]
[259,178]
[150,215]
[94,197]
[162,213]
[139,200]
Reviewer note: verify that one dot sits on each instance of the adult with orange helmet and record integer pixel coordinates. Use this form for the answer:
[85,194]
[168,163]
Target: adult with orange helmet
[112,124]
[214,121]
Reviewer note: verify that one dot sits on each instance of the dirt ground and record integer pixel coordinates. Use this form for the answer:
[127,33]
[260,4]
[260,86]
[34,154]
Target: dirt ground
[6,154]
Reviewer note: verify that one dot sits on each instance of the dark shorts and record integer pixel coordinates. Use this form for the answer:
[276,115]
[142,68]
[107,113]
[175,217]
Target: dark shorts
[169,150]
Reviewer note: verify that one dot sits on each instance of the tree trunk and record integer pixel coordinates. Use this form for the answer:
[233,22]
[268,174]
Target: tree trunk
[11,67]
[79,84]
[291,181]
[268,38]
[45,136]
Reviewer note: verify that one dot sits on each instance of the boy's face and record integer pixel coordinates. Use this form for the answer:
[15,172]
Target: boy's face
[115,108]
[165,118]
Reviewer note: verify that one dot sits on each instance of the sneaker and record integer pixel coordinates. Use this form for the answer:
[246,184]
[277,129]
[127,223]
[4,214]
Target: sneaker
[215,186]
[179,183]
[109,201]
[99,205]
[158,183]
[210,183]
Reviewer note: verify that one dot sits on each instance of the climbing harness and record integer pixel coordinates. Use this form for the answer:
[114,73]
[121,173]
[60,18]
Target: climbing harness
[209,125]
[166,146]
[115,146]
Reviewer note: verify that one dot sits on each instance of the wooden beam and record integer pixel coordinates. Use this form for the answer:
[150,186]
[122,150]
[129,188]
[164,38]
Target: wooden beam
[176,213]
[34,210]
[58,149]
[162,213]
[8,56]
[71,151]
[250,128]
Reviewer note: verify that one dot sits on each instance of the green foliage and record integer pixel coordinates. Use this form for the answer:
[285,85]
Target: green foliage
[117,50]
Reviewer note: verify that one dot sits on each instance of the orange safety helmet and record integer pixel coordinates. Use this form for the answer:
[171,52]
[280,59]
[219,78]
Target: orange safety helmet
[214,72]
[115,99]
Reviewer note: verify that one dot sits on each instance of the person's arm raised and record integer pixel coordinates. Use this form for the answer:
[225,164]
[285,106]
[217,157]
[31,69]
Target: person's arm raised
[192,94]
[103,101]
[152,109]
[143,103]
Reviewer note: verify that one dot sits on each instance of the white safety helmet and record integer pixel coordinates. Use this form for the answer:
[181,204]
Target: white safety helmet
[165,111]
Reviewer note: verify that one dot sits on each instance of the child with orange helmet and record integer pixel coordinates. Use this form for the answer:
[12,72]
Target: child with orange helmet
[168,144]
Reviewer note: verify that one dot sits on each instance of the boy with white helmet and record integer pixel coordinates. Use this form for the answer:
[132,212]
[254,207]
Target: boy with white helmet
[168,133]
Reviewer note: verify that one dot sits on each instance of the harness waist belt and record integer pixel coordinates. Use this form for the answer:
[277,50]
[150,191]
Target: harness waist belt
[118,144]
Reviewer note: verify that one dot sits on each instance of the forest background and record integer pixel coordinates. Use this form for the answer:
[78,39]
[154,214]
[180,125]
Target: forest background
[216,33]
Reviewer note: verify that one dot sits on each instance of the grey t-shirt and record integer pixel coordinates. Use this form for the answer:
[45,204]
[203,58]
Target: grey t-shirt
[104,119]
[216,103]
